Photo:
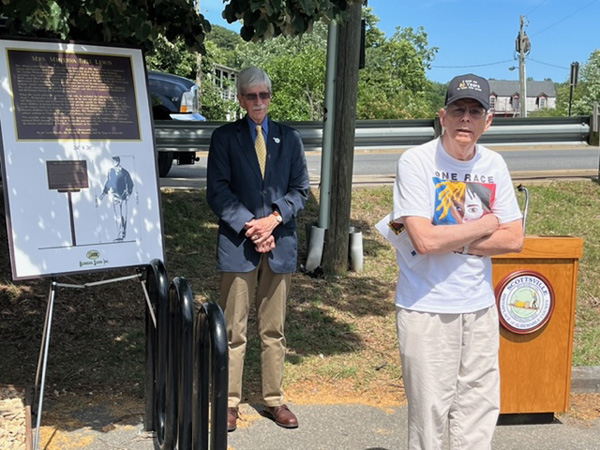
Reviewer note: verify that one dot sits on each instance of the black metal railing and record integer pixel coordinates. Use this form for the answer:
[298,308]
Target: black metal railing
[186,366]
[157,289]
[211,352]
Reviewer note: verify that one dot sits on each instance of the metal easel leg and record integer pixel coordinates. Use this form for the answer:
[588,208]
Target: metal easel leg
[43,359]
[43,362]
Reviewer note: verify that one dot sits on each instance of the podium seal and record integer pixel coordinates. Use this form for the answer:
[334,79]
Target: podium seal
[525,301]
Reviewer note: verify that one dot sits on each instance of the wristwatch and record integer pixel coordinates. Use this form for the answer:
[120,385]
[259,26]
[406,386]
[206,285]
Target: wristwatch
[278,217]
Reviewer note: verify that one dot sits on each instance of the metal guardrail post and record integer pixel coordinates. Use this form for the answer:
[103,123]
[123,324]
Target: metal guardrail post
[595,126]
[211,352]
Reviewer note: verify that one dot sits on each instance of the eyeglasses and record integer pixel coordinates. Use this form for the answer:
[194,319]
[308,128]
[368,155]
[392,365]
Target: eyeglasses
[476,112]
[253,96]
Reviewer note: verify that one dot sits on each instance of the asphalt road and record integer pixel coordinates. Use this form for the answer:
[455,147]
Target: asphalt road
[378,167]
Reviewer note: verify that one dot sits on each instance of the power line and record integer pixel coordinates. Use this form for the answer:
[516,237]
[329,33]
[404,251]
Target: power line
[565,18]
[536,7]
[473,65]
[548,64]
[528,58]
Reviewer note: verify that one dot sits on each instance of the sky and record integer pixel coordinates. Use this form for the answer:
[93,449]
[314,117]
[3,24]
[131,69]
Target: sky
[479,36]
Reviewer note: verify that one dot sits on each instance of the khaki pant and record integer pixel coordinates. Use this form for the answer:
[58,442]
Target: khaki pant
[451,376]
[269,291]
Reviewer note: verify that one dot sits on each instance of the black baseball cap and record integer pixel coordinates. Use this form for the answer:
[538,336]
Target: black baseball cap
[469,86]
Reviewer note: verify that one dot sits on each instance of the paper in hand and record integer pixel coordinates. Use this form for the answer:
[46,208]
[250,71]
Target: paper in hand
[396,234]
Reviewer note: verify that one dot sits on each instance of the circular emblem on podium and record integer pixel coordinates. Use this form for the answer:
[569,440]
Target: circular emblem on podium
[525,301]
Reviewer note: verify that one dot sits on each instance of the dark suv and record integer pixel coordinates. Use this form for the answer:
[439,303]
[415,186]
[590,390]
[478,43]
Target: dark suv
[167,92]
[173,97]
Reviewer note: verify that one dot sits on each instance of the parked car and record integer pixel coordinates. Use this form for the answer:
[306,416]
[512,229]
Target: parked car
[173,98]
[171,94]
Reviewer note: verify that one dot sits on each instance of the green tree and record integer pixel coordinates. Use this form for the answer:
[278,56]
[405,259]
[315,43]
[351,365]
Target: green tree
[296,66]
[224,46]
[374,37]
[212,104]
[134,22]
[436,95]
[393,84]
[562,98]
[173,57]
[298,84]
[264,19]
[140,22]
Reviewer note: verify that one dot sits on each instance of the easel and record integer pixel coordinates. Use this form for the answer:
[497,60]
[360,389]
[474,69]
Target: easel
[43,358]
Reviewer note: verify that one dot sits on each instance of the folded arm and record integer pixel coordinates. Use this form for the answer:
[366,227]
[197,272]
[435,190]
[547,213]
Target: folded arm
[508,238]
[437,239]
[484,237]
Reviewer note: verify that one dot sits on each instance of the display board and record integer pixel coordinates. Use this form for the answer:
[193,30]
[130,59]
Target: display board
[78,158]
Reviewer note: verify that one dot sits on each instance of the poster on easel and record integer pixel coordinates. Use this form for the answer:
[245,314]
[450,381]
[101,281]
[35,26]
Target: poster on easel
[77,150]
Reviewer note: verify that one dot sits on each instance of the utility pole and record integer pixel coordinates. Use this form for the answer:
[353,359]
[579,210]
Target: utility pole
[523,47]
[335,254]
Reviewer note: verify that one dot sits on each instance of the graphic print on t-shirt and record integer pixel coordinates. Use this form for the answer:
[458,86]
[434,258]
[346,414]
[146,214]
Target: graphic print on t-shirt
[460,202]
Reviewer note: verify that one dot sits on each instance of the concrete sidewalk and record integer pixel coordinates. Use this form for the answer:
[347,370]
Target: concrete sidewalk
[333,427]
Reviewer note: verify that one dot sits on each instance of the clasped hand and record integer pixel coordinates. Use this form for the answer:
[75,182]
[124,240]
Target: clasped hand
[260,232]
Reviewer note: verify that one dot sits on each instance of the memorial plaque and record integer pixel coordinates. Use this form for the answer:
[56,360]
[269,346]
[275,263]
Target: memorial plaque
[67,175]
[60,95]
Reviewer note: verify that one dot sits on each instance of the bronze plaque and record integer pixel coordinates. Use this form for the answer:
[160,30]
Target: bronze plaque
[68,95]
[67,175]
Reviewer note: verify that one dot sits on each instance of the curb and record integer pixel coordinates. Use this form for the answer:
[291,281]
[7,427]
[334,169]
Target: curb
[585,380]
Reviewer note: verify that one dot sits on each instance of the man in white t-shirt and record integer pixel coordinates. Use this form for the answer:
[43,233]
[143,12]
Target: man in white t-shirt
[457,203]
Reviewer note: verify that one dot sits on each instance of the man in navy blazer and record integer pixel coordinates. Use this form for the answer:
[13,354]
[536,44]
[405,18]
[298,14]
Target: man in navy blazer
[257,242]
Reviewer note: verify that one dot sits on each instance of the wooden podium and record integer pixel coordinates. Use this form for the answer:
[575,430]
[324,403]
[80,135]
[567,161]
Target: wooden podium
[535,293]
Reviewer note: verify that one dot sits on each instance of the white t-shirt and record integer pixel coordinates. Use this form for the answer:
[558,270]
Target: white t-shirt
[432,184]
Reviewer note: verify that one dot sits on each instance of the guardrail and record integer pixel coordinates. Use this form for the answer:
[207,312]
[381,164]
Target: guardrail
[532,130]
[180,136]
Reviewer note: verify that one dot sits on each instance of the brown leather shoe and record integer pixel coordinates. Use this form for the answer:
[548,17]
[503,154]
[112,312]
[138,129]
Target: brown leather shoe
[232,417]
[281,415]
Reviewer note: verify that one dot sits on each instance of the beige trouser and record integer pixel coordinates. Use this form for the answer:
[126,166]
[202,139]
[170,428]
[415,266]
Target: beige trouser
[451,376]
[237,290]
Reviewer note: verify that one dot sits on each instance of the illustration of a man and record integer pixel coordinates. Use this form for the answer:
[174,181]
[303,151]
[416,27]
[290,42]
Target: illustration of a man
[119,186]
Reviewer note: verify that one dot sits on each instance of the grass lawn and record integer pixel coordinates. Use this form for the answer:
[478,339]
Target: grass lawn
[340,331]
